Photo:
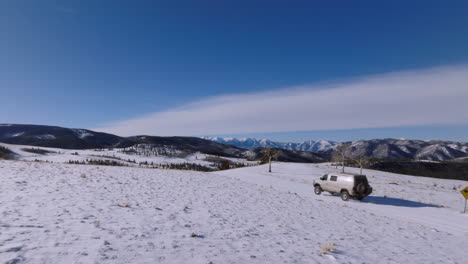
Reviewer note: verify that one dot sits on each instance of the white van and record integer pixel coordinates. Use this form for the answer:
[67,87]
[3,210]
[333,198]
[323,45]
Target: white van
[344,184]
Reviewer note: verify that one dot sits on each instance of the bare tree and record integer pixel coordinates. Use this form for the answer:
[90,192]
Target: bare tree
[341,150]
[336,158]
[268,155]
[360,158]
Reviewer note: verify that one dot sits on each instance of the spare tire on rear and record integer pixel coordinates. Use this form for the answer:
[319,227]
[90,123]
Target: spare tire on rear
[361,188]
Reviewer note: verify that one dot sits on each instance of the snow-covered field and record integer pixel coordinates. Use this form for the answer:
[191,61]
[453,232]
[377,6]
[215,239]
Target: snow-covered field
[64,213]
[118,155]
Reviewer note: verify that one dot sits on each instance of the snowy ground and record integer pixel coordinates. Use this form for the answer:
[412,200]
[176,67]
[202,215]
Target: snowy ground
[66,155]
[418,199]
[61,213]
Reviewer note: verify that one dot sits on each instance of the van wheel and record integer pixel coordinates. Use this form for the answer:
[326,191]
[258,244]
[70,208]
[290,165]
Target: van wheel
[345,195]
[317,190]
[359,197]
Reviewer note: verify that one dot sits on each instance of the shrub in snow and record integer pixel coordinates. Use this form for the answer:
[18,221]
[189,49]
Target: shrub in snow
[37,151]
[5,153]
[327,248]
[224,165]
[124,205]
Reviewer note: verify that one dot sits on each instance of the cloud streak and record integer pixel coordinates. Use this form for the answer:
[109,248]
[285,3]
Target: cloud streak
[410,98]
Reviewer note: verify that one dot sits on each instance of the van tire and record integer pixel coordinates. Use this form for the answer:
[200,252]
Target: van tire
[317,190]
[344,195]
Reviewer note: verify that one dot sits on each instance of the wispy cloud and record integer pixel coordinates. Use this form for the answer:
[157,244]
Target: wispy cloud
[410,98]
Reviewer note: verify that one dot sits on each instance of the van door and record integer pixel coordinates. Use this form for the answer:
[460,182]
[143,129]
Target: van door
[324,182]
[333,183]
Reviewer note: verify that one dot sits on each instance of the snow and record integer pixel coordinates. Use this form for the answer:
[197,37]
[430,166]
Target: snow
[460,148]
[13,135]
[45,136]
[82,133]
[395,195]
[66,155]
[250,143]
[404,149]
[433,150]
[64,213]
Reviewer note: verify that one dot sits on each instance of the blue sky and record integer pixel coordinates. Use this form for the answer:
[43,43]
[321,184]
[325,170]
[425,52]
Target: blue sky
[104,64]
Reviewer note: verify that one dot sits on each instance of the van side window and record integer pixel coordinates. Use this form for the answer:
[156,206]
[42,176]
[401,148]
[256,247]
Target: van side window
[324,177]
[333,178]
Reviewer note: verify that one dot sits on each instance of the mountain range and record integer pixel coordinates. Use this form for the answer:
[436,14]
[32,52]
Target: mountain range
[435,150]
[323,146]
[250,148]
[71,138]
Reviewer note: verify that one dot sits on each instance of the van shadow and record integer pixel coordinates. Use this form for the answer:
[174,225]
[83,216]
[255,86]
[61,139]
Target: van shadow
[396,202]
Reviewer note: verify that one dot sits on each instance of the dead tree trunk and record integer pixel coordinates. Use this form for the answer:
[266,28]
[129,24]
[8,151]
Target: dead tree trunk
[269,163]
[342,162]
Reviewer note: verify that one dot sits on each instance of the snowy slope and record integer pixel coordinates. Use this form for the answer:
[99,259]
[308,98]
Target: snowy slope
[61,213]
[116,154]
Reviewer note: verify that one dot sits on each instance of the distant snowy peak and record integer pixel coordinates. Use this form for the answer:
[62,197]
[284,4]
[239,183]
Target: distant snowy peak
[376,148]
[250,143]
[441,152]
